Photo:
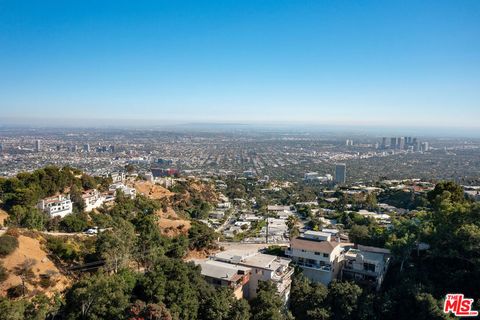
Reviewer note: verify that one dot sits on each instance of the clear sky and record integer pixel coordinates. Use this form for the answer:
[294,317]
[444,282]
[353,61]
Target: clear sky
[347,62]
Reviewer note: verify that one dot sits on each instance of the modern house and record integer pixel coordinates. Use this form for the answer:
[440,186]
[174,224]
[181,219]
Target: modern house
[318,256]
[323,260]
[223,274]
[264,267]
[57,206]
[366,265]
[127,191]
[93,199]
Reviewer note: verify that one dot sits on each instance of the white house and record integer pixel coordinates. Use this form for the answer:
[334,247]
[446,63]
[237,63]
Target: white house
[93,199]
[318,256]
[367,265]
[58,206]
[264,267]
[129,192]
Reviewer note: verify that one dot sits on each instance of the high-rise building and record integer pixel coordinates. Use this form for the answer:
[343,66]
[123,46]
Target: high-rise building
[1,147]
[384,142]
[393,143]
[401,143]
[340,173]
[86,147]
[425,146]
[38,146]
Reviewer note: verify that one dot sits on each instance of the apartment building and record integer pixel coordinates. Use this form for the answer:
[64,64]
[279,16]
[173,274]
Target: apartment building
[57,206]
[319,257]
[264,267]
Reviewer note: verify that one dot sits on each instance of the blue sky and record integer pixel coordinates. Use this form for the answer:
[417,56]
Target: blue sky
[339,62]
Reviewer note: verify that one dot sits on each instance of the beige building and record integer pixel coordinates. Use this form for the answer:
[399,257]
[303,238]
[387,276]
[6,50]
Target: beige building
[319,257]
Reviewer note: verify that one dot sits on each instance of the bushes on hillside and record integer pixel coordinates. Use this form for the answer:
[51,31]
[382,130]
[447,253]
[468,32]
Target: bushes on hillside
[3,273]
[7,245]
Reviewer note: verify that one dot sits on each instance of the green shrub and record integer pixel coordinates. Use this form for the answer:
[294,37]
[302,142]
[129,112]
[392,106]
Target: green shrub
[3,273]
[7,245]
[16,291]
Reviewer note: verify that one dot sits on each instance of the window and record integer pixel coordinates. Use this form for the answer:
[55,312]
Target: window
[317,253]
[369,267]
[325,255]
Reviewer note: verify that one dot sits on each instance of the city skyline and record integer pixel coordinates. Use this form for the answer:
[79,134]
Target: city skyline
[347,64]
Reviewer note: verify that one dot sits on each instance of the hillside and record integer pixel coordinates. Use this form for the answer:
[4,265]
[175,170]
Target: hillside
[30,249]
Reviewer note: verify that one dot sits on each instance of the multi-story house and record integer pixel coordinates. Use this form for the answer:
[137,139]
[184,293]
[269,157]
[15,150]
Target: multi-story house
[93,199]
[366,265]
[264,267]
[323,260]
[127,191]
[319,257]
[223,274]
[57,206]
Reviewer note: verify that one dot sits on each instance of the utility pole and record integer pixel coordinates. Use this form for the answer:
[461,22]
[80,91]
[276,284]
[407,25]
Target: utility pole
[266,233]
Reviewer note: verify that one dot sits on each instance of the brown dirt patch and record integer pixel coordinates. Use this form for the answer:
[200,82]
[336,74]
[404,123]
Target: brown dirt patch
[3,217]
[152,191]
[30,248]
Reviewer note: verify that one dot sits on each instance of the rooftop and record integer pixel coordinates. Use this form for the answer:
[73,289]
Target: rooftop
[312,245]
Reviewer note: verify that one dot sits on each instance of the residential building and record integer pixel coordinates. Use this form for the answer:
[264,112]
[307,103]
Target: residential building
[264,267]
[57,206]
[317,255]
[117,176]
[366,265]
[92,199]
[224,274]
[127,191]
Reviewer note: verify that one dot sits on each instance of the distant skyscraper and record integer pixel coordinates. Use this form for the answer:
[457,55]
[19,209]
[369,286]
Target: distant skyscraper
[384,142]
[401,143]
[1,147]
[393,143]
[86,147]
[425,146]
[340,173]
[38,146]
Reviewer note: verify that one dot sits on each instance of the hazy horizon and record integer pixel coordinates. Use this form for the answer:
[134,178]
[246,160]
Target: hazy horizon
[374,63]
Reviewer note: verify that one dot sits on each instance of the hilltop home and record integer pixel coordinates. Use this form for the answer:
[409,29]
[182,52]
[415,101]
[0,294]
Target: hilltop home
[57,206]
[366,265]
[317,255]
[223,274]
[264,267]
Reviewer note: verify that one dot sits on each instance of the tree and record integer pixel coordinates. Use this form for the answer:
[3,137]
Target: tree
[26,217]
[100,296]
[293,226]
[8,244]
[446,190]
[343,299]
[200,236]
[240,310]
[75,222]
[25,272]
[267,305]
[308,301]
[116,245]
[359,234]
[76,198]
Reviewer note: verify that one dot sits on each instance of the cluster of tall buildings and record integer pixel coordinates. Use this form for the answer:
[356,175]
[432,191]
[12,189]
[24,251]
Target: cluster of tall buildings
[404,143]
